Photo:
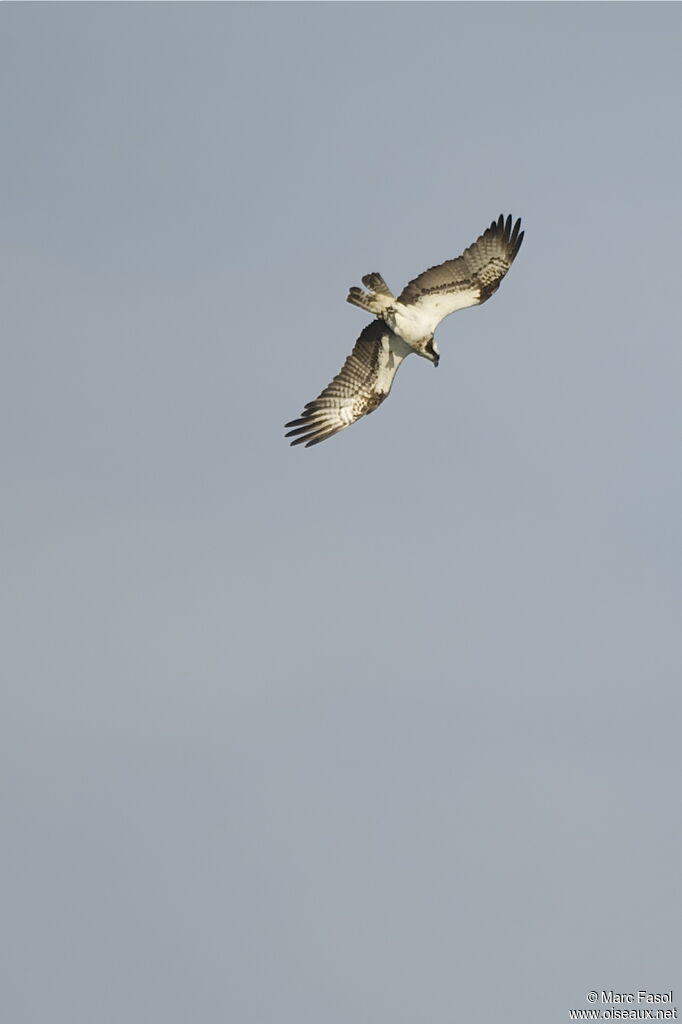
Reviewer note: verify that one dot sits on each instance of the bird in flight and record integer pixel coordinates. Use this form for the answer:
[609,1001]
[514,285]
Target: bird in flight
[404,325]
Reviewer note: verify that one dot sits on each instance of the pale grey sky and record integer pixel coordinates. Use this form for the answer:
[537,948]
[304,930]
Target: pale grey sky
[389,730]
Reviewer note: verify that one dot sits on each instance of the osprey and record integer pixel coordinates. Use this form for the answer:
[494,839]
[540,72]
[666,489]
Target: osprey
[405,325]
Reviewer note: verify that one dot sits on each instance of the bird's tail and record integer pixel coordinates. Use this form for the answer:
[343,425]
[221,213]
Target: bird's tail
[377,299]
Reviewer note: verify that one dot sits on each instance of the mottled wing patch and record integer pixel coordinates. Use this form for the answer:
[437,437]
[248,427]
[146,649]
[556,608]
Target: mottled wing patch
[471,278]
[359,387]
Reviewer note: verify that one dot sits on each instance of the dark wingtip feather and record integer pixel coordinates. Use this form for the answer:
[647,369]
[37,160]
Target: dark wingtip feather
[305,429]
[310,435]
[310,428]
[512,236]
[321,437]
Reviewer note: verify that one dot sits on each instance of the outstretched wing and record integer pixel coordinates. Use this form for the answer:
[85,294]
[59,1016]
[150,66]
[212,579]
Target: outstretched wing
[468,280]
[359,387]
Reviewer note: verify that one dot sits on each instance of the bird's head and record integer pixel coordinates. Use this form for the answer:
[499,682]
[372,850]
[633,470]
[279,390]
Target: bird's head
[431,351]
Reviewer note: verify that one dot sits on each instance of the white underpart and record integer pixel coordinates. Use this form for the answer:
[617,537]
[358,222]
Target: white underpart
[393,350]
[417,321]
[410,323]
